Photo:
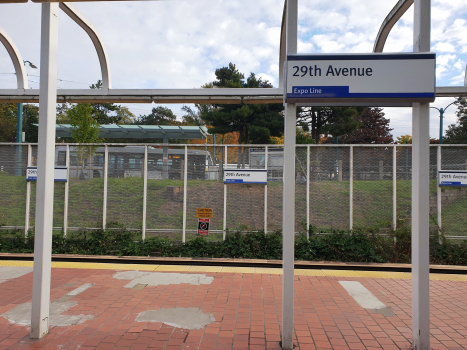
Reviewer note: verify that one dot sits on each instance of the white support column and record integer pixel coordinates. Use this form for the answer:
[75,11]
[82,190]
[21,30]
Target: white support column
[351,190]
[394,188]
[225,196]
[185,179]
[28,196]
[307,192]
[67,190]
[420,193]
[266,191]
[45,172]
[288,202]
[438,189]
[145,190]
[106,176]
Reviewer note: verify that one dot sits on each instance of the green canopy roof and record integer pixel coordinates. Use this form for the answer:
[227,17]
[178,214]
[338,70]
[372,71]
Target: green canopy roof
[142,131]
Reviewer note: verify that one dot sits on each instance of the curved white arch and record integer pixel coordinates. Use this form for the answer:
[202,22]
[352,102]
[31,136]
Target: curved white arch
[89,28]
[396,13]
[21,76]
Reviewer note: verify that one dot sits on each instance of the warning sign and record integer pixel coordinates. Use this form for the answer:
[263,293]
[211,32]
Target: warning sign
[204,213]
[203,226]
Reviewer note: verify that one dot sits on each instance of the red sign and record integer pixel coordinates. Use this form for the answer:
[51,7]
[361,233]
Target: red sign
[203,226]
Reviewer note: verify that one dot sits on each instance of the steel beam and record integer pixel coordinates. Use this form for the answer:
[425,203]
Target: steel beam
[45,173]
[20,70]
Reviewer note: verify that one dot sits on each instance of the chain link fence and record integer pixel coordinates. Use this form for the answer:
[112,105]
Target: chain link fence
[337,187]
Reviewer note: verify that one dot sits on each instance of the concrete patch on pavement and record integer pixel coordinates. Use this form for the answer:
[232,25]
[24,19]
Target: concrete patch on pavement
[187,318]
[10,272]
[22,314]
[366,299]
[161,278]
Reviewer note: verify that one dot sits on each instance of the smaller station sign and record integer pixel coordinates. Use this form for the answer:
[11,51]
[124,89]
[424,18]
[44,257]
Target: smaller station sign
[452,178]
[203,226]
[60,173]
[204,213]
[246,176]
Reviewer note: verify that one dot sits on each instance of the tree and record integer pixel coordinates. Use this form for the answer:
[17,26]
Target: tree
[457,133]
[159,116]
[8,122]
[374,129]
[255,123]
[8,115]
[404,139]
[84,129]
[192,117]
[335,121]
[101,112]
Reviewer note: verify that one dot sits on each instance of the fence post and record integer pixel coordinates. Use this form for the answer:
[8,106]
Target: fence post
[394,189]
[185,178]
[28,196]
[438,190]
[381,169]
[106,175]
[266,191]
[351,189]
[308,192]
[67,190]
[339,164]
[225,197]
[145,190]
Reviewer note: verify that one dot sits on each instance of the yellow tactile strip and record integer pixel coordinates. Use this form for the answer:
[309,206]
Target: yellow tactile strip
[256,270]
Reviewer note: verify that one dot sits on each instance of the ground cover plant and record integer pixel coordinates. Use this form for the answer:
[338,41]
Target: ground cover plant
[361,245]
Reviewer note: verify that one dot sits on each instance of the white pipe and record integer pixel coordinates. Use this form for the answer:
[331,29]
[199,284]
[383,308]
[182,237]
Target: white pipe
[145,190]
[28,196]
[266,191]
[185,188]
[225,196]
[394,188]
[106,177]
[67,189]
[351,189]
[308,192]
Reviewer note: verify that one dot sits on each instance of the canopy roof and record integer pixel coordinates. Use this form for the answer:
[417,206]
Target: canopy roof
[142,131]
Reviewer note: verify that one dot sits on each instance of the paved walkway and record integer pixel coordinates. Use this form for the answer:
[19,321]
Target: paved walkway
[110,306]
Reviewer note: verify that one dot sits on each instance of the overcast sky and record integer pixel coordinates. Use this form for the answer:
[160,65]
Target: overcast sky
[179,44]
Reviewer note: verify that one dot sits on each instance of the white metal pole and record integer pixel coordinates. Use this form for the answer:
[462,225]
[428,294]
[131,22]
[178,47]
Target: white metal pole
[225,196]
[394,188]
[185,179]
[45,172]
[438,189]
[420,194]
[307,192]
[145,190]
[351,189]
[67,188]
[106,177]
[28,196]
[266,191]
[288,202]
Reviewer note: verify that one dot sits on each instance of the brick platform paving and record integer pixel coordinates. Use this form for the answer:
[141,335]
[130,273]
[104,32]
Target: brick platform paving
[247,309]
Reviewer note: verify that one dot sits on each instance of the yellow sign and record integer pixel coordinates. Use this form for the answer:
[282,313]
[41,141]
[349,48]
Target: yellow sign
[204,213]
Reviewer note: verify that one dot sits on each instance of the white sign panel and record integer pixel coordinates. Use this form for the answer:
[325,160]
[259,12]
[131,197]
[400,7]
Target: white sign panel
[245,176]
[373,78]
[60,173]
[452,178]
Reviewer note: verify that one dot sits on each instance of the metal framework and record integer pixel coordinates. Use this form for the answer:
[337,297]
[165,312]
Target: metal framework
[48,96]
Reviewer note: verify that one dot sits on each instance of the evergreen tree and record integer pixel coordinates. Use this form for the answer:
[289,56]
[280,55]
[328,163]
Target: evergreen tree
[374,128]
[457,133]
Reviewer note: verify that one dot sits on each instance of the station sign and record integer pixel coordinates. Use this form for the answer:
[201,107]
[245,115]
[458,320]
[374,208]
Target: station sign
[246,176]
[375,79]
[60,173]
[204,213]
[452,178]
[203,226]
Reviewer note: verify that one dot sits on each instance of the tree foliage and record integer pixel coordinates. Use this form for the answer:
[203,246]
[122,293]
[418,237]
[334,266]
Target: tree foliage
[8,115]
[374,128]
[404,139]
[158,116]
[335,121]
[457,133]
[255,123]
